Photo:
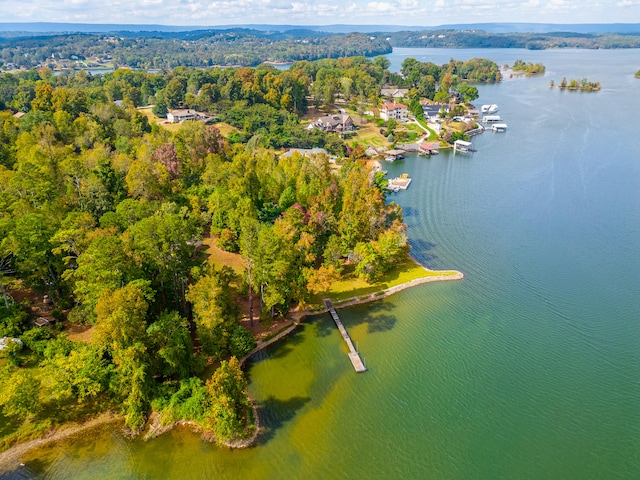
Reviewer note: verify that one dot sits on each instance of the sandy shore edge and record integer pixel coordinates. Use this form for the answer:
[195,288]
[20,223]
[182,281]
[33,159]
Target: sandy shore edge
[10,458]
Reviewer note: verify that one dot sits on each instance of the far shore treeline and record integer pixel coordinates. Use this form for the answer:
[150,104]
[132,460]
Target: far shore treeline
[103,214]
[248,47]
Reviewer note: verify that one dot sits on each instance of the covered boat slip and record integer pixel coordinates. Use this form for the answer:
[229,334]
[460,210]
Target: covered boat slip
[491,118]
[393,155]
[462,146]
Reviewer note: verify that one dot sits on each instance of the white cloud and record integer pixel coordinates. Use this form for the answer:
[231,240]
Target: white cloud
[307,12]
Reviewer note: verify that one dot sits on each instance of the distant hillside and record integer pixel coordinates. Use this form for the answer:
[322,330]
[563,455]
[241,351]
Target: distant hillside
[49,27]
[159,47]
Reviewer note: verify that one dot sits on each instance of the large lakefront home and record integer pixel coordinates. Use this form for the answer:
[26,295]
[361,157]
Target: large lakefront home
[334,123]
[397,111]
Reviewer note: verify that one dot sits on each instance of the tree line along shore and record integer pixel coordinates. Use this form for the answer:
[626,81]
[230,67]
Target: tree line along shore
[251,47]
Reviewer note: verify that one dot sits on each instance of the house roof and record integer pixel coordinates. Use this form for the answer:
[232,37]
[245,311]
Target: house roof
[394,92]
[432,109]
[183,113]
[305,151]
[334,119]
[393,105]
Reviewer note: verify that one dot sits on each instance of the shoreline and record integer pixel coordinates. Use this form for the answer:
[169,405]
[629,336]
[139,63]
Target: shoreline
[298,317]
[10,459]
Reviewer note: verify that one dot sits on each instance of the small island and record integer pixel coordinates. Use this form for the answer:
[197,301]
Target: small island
[582,85]
[520,67]
[637,75]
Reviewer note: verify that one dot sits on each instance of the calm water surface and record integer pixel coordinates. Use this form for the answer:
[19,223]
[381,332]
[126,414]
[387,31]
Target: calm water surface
[529,368]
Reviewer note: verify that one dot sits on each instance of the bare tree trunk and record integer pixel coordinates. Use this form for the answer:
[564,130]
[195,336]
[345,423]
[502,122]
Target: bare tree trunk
[250,297]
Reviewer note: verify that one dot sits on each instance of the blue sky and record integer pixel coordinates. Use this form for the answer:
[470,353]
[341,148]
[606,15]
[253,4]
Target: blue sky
[319,12]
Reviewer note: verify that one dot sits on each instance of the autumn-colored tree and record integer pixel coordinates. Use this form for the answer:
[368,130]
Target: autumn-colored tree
[229,411]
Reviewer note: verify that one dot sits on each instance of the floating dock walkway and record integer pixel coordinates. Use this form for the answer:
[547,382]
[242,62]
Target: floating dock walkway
[354,356]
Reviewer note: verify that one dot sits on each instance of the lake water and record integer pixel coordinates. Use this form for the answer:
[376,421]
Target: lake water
[529,368]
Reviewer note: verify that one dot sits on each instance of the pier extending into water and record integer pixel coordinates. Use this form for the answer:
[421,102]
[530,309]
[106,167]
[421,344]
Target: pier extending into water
[354,356]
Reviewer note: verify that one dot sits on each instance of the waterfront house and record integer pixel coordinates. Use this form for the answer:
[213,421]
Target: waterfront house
[179,116]
[432,112]
[334,123]
[397,111]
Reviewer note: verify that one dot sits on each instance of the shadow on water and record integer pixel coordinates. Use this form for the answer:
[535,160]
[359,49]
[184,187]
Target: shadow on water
[422,250]
[24,472]
[408,211]
[274,413]
[376,316]
[280,348]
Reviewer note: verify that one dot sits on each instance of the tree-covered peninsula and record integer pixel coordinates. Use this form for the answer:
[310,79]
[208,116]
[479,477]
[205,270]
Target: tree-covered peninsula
[105,215]
[113,224]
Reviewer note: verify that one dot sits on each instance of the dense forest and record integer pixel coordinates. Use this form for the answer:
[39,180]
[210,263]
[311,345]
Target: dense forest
[246,47]
[109,218]
[531,41]
[204,49]
[105,213]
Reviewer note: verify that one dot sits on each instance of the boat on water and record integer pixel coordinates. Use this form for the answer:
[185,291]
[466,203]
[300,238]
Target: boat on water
[493,108]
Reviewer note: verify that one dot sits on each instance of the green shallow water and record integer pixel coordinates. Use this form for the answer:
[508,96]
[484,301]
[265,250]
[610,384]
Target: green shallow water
[529,368]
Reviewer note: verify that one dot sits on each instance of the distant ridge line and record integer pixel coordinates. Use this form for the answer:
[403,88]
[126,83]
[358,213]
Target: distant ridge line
[501,27]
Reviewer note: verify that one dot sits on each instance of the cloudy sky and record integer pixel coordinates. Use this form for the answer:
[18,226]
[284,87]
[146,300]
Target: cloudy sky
[319,12]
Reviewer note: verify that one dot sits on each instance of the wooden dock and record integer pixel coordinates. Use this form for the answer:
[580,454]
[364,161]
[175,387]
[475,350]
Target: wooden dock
[354,356]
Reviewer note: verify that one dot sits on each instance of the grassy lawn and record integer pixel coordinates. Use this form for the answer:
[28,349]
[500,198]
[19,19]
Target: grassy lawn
[351,286]
[433,136]
[172,127]
[225,128]
[368,136]
[219,258]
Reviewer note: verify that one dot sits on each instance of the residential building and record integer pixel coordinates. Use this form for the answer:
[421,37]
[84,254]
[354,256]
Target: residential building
[334,123]
[393,92]
[179,116]
[397,111]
